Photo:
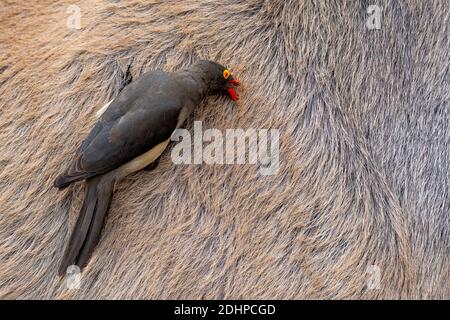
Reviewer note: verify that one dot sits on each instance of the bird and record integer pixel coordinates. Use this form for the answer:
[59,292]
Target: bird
[130,134]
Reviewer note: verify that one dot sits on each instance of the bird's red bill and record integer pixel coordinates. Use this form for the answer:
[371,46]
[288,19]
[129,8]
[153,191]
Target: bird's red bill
[233,94]
[231,91]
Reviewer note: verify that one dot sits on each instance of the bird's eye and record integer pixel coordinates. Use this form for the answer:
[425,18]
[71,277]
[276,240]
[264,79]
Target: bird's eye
[226,73]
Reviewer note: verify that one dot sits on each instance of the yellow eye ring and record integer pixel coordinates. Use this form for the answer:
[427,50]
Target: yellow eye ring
[226,74]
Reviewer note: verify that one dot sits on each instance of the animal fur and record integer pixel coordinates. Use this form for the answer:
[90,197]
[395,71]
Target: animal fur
[364,150]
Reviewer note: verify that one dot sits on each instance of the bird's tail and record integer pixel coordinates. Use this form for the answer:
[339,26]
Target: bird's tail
[85,235]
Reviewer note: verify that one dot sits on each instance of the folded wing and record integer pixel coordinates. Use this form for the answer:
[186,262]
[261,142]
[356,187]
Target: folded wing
[142,116]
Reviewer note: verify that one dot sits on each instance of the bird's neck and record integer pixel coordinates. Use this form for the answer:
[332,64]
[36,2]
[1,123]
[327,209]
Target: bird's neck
[196,81]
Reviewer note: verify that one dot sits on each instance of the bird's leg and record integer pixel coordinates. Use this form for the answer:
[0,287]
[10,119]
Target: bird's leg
[126,80]
[153,165]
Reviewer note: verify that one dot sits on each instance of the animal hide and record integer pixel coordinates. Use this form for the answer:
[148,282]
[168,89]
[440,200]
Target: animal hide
[363,185]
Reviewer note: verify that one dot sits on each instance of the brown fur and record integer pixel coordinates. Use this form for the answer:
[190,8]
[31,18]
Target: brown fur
[364,178]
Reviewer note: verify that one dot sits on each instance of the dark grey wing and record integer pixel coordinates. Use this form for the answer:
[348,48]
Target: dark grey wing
[142,116]
[125,102]
[130,136]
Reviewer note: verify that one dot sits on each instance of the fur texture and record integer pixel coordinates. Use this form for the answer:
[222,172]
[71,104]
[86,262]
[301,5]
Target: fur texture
[364,150]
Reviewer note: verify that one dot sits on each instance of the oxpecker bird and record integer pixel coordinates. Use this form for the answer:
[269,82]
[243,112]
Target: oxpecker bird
[130,134]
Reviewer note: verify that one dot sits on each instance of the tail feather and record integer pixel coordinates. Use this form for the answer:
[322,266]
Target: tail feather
[86,233]
[102,207]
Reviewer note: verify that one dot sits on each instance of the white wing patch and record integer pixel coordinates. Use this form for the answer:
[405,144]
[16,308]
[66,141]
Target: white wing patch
[103,109]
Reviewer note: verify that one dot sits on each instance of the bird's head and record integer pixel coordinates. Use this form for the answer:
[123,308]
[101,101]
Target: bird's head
[220,79]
